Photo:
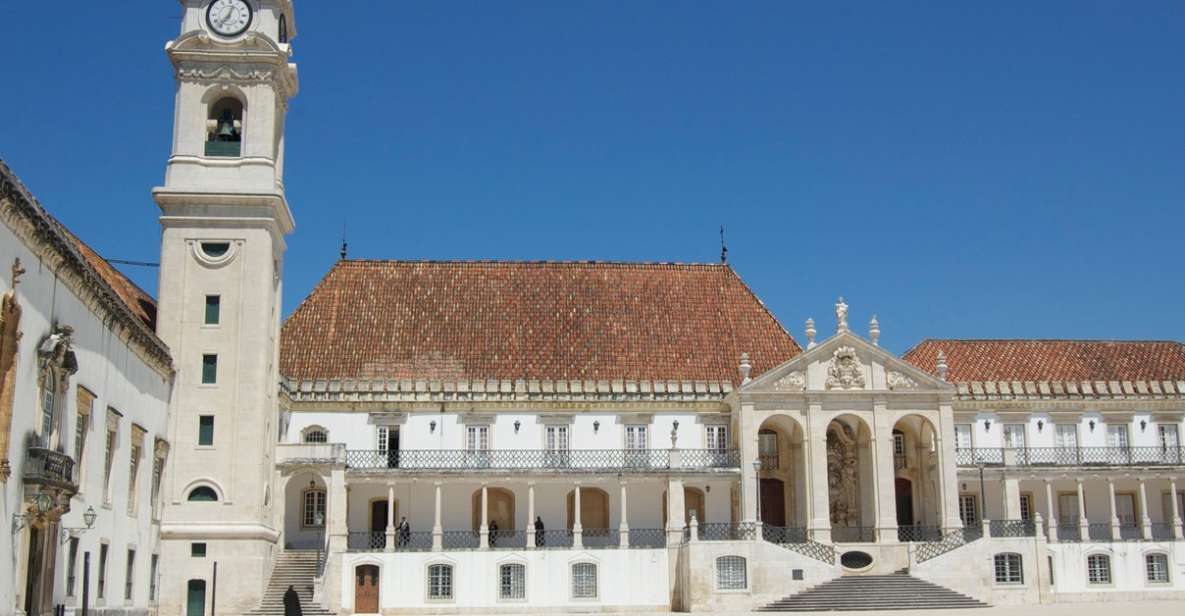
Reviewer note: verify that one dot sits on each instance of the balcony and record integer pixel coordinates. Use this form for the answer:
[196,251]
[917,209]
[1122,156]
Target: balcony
[575,460]
[309,453]
[47,467]
[1070,456]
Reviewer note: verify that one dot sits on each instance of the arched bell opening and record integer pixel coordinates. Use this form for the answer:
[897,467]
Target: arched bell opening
[224,127]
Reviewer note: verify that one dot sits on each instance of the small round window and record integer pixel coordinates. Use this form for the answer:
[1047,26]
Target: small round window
[855,560]
[215,250]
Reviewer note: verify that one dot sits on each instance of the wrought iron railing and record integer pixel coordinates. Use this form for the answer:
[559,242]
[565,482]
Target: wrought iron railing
[545,539]
[900,461]
[1071,456]
[951,540]
[1130,532]
[1163,530]
[972,533]
[769,461]
[508,539]
[1097,531]
[783,534]
[724,531]
[460,539]
[629,460]
[648,538]
[916,533]
[853,534]
[420,541]
[46,466]
[1069,531]
[600,538]
[1012,528]
[366,540]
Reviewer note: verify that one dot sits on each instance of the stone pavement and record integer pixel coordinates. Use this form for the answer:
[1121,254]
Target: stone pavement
[1101,608]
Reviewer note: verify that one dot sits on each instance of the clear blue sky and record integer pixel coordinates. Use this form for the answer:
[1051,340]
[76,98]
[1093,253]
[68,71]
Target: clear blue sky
[991,169]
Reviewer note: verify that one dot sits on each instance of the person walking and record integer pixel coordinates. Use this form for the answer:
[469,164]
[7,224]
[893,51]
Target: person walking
[540,535]
[291,602]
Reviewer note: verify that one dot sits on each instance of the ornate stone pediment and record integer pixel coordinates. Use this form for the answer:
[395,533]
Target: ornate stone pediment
[845,370]
[794,381]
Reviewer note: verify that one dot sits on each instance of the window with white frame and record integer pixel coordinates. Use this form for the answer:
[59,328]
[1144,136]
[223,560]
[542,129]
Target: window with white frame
[440,582]
[313,515]
[969,509]
[1014,436]
[84,400]
[477,438]
[636,437]
[1066,436]
[717,436]
[1170,440]
[963,436]
[1156,568]
[109,456]
[1117,436]
[512,581]
[555,438]
[316,435]
[1008,569]
[1026,507]
[898,443]
[1067,509]
[1098,569]
[584,581]
[731,573]
[387,442]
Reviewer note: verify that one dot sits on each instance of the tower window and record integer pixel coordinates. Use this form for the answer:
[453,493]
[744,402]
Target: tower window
[213,309]
[209,369]
[203,494]
[205,430]
[283,28]
[224,128]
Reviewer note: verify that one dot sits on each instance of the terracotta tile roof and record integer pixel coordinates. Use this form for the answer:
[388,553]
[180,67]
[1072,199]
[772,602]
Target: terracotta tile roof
[138,301]
[1053,360]
[376,320]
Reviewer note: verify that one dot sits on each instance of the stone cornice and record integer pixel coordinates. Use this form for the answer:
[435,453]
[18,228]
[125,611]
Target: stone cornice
[45,237]
[198,57]
[1070,390]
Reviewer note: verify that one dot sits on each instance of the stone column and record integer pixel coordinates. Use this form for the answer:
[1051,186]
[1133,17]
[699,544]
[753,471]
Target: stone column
[337,526]
[948,471]
[484,531]
[749,453]
[1115,533]
[623,527]
[1083,523]
[390,517]
[530,515]
[437,529]
[1145,520]
[577,526]
[816,444]
[1178,532]
[675,512]
[1049,510]
[884,474]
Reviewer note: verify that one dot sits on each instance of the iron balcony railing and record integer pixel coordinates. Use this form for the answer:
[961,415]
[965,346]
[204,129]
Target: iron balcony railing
[1012,528]
[1070,456]
[508,539]
[548,539]
[628,460]
[769,461]
[648,538]
[591,538]
[916,533]
[1163,530]
[783,534]
[724,531]
[49,467]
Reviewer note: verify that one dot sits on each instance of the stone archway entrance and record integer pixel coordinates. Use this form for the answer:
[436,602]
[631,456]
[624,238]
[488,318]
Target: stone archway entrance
[850,480]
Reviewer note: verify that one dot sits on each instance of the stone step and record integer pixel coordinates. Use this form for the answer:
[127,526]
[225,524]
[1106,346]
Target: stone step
[897,591]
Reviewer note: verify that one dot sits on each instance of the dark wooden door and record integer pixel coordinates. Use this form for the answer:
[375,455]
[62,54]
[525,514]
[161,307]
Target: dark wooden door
[366,589]
[195,600]
[773,502]
[904,502]
[378,524]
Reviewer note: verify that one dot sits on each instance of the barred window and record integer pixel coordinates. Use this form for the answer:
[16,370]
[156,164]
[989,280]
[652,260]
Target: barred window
[314,508]
[1098,569]
[584,581]
[513,581]
[316,436]
[440,582]
[731,573]
[1009,569]
[1156,566]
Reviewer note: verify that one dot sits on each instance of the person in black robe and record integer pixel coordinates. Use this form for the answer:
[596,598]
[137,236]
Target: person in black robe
[540,536]
[291,602]
[493,533]
[404,533]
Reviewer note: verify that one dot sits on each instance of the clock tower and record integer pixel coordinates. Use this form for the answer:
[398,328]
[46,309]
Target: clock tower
[224,217]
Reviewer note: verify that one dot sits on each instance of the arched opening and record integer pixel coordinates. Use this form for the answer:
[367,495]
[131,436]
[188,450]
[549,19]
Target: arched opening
[366,589]
[202,494]
[594,515]
[314,435]
[499,510]
[850,480]
[224,127]
[306,508]
[916,468]
[694,501]
[782,477]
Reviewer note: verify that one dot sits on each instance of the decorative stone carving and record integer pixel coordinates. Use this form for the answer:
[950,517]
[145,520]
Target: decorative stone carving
[845,371]
[810,333]
[795,381]
[898,380]
[841,315]
[843,485]
[10,336]
[57,364]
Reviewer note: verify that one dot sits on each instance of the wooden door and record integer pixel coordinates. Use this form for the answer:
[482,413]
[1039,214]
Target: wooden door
[366,589]
[195,598]
[773,502]
[378,523]
[904,501]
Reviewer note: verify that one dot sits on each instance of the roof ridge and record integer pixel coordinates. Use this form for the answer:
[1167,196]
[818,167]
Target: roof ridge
[529,262]
[1107,340]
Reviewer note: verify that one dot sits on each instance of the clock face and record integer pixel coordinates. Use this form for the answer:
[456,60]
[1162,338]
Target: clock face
[228,17]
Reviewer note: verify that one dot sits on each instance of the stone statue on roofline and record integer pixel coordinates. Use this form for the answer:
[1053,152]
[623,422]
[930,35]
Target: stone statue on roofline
[841,315]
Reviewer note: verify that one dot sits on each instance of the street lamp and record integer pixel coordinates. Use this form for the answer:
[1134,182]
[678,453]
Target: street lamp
[757,478]
[42,504]
[88,518]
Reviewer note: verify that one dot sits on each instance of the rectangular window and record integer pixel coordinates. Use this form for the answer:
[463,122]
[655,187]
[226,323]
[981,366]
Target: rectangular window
[717,436]
[636,437]
[1156,567]
[84,401]
[314,509]
[209,369]
[767,449]
[1117,436]
[152,567]
[969,509]
[205,430]
[1014,436]
[1125,509]
[1008,569]
[1066,436]
[133,475]
[730,573]
[109,459]
[197,550]
[213,309]
[1026,507]
[555,441]
[440,582]
[1170,441]
[584,581]
[477,438]
[71,566]
[130,583]
[898,444]
[963,436]
[1051,575]
[512,581]
[1098,569]
[102,586]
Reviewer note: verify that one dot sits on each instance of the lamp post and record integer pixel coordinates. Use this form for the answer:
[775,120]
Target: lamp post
[88,518]
[757,481]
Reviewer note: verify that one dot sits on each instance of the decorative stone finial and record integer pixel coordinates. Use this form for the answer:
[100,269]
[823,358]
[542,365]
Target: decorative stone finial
[941,365]
[810,333]
[17,271]
[874,330]
[841,315]
[746,367]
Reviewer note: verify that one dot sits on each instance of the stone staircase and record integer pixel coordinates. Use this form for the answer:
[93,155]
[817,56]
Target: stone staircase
[296,568]
[895,591]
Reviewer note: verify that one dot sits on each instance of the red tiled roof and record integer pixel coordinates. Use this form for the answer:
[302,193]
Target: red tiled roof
[1053,360]
[379,320]
[138,301]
